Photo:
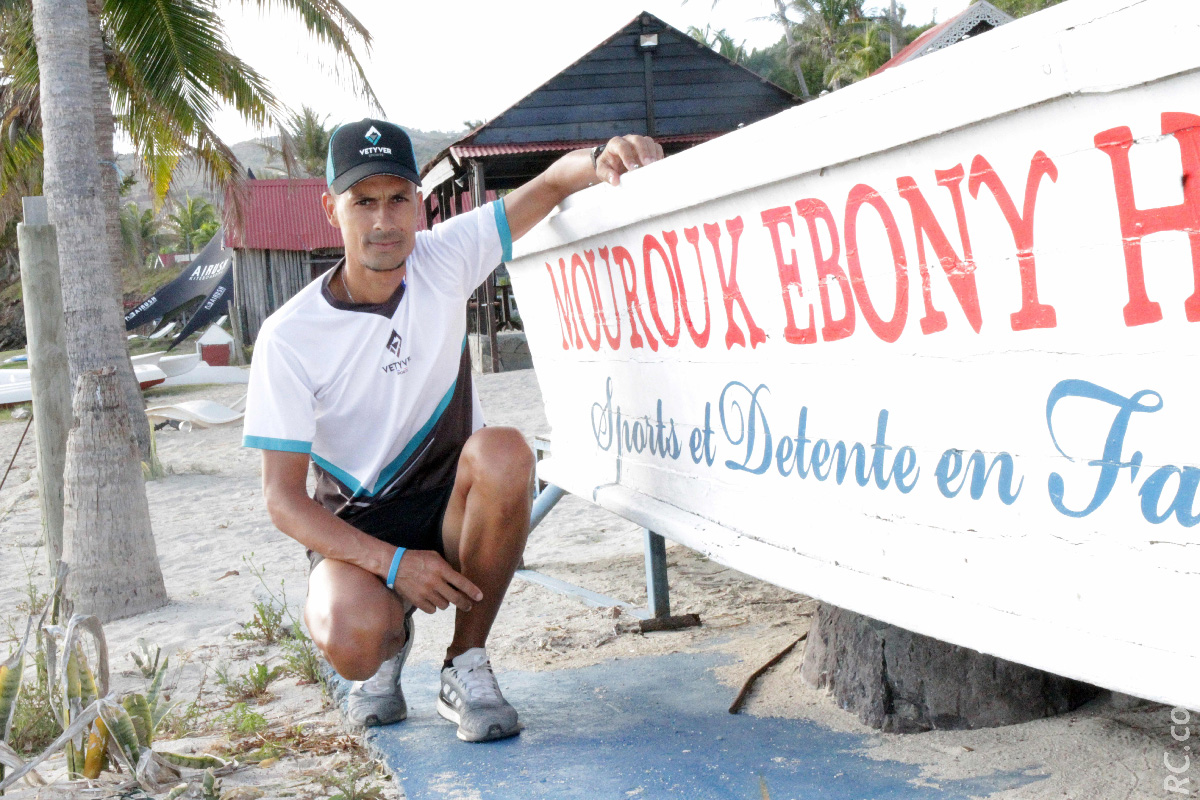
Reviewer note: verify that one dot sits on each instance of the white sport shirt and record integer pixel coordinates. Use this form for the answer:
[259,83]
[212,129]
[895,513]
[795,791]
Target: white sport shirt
[379,396]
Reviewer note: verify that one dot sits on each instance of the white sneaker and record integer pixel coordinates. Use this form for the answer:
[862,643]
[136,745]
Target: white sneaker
[379,699]
[471,697]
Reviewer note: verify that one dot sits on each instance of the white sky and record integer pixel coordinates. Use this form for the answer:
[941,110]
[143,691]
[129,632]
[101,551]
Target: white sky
[503,50]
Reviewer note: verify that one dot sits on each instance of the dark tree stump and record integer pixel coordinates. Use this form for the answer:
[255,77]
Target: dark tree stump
[903,682]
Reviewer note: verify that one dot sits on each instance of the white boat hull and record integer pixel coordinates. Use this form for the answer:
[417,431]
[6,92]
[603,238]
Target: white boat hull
[16,388]
[947,279]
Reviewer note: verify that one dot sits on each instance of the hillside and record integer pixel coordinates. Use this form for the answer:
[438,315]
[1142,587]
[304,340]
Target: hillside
[253,155]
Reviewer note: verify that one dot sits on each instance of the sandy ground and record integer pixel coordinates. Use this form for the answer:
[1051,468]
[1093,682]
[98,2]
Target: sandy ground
[213,534]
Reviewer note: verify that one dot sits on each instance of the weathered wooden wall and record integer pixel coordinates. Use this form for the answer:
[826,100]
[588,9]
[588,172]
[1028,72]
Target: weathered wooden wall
[925,348]
[263,280]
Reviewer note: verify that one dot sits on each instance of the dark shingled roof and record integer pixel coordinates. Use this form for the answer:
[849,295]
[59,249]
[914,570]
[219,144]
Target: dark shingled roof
[697,94]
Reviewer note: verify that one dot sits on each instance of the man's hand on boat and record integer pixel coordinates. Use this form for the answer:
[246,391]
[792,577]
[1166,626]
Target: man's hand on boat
[624,153]
[579,169]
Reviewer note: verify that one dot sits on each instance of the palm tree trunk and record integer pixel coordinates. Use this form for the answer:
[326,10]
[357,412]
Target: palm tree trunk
[112,511]
[893,25]
[110,193]
[787,34]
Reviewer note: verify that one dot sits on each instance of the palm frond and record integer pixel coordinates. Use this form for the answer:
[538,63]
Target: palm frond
[328,22]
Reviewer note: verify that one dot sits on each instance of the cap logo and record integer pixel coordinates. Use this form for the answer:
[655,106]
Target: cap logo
[372,135]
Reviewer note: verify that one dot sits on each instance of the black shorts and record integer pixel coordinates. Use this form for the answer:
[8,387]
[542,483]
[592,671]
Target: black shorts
[411,521]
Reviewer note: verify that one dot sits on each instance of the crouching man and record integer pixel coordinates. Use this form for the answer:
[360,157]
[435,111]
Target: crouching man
[365,375]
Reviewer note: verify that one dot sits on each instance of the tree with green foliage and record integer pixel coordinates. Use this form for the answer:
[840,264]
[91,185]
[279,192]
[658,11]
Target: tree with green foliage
[865,50]
[194,222]
[159,72]
[303,144]
[824,30]
[721,42]
[791,52]
[105,508]
[142,233]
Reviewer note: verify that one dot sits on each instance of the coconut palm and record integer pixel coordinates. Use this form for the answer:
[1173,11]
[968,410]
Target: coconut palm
[159,73]
[825,27]
[106,533]
[142,233]
[719,41]
[780,16]
[303,144]
[193,224]
[861,53]
[793,49]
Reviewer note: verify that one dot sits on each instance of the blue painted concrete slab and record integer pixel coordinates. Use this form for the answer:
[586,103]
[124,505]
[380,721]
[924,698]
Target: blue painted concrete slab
[643,728]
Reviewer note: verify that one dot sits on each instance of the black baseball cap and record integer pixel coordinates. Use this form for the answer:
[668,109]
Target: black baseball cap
[369,147]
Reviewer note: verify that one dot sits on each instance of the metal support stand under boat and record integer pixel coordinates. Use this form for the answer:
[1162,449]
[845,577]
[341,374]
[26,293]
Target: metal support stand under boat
[657,617]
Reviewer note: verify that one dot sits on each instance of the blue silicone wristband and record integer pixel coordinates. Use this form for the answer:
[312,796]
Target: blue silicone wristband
[391,580]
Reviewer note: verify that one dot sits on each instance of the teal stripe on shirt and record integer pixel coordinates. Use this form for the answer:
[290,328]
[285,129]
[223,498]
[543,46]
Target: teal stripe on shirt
[502,227]
[269,443]
[389,472]
[391,469]
[348,480]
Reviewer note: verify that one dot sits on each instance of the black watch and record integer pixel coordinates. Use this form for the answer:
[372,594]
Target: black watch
[596,151]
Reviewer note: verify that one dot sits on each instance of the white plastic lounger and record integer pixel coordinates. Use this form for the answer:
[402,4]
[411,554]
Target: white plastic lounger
[200,413]
[178,365]
[160,334]
[146,358]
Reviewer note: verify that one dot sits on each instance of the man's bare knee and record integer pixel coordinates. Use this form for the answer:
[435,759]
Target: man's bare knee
[351,639]
[355,651]
[499,458]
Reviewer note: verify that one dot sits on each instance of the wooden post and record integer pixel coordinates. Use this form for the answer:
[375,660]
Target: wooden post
[486,324]
[48,369]
[114,573]
[658,592]
[235,318]
[648,73]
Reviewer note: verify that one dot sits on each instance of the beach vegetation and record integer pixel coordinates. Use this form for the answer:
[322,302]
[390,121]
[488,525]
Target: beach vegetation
[147,660]
[241,719]
[33,724]
[274,622]
[266,625]
[187,719]
[301,657]
[253,684]
[143,234]
[8,412]
[354,782]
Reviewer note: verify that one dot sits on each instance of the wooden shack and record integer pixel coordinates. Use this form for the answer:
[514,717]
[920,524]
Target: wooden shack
[647,78]
[281,242]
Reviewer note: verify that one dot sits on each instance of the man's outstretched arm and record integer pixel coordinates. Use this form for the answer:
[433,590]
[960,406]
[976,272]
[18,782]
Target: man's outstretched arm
[529,205]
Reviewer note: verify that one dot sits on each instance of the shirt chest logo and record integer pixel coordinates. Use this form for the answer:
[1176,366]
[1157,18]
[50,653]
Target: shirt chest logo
[399,366]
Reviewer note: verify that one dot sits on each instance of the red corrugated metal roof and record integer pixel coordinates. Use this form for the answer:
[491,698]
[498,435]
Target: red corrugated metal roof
[284,215]
[479,151]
